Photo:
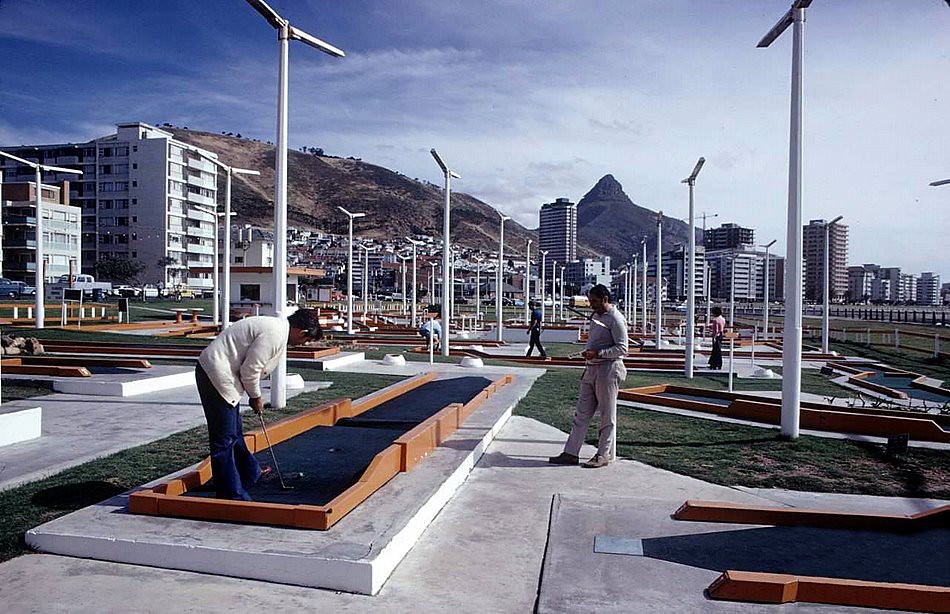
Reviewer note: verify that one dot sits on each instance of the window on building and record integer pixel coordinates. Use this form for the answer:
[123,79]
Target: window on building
[135,165]
[239,260]
[135,201]
[135,254]
[106,186]
[135,184]
[135,148]
[250,292]
[121,186]
[135,219]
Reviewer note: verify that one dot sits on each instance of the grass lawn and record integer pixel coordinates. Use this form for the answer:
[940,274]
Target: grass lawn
[738,455]
[18,389]
[29,505]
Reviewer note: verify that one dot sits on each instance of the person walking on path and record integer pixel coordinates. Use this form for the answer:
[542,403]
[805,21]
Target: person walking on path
[604,372]
[718,329]
[231,365]
[534,331]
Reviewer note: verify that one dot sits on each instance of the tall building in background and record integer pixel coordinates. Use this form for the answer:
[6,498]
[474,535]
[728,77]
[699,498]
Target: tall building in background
[728,236]
[675,272]
[61,253]
[928,289]
[861,286]
[814,251]
[139,195]
[581,275]
[558,230]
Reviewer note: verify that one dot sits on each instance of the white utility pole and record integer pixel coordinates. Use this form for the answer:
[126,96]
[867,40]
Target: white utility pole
[765,292]
[226,290]
[404,289]
[527,282]
[659,278]
[446,245]
[414,272]
[499,281]
[215,280]
[691,276]
[732,295]
[39,305]
[827,285]
[562,293]
[366,281]
[544,291]
[349,269]
[643,244]
[286,32]
[792,337]
[633,295]
[478,289]
[553,289]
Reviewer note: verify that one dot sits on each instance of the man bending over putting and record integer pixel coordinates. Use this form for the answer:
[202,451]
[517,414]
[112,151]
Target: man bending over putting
[231,365]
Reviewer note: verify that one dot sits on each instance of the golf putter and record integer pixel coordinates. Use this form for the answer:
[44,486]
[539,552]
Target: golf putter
[273,456]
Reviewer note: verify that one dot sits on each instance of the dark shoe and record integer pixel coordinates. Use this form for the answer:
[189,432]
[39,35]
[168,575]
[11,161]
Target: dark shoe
[564,459]
[596,462]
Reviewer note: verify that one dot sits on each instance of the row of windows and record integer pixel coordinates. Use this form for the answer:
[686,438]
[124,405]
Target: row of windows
[119,203]
[111,151]
[114,186]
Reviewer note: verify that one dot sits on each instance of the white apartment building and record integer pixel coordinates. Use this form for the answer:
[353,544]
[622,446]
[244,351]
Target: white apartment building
[139,193]
[557,230]
[586,273]
[928,289]
[61,253]
[675,272]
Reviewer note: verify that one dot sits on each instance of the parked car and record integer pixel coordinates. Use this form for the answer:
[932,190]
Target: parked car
[9,288]
[150,290]
[25,290]
[126,291]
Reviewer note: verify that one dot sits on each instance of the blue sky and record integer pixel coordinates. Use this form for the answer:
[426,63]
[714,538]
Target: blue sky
[535,100]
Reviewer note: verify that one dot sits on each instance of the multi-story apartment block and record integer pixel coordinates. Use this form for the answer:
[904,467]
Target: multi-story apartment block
[61,231]
[907,289]
[861,281]
[675,272]
[728,236]
[140,194]
[814,251]
[928,289]
[744,267]
[558,230]
[581,275]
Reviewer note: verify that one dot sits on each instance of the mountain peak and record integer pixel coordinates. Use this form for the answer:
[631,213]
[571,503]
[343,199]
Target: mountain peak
[606,189]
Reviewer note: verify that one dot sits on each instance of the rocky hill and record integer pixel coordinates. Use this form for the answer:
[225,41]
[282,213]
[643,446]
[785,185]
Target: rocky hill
[396,205]
[609,220]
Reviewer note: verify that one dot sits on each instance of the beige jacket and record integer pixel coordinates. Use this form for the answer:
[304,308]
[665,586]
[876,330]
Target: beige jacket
[245,352]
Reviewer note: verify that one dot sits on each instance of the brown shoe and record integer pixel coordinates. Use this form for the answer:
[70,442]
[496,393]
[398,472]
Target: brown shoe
[564,459]
[596,462]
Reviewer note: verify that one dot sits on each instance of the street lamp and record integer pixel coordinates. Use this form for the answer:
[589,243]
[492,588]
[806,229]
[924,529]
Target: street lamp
[939,183]
[403,259]
[414,270]
[691,276]
[499,281]
[643,245]
[216,307]
[792,336]
[433,264]
[446,316]
[553,290]
[659,277]
[286,32]
[527,280]
[561,282]
[226,294]
[765,291]
[39,308]
[633,295]
[478,289]
[544,256]
[366,281]
[827,284]
[349,269]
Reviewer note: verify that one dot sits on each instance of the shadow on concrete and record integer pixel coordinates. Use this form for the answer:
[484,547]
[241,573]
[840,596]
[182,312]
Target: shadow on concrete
[497,459]
[918,558]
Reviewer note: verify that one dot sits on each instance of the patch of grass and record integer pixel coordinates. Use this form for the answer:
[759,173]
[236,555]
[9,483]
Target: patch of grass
[18,389]
[34,503]
[739,455]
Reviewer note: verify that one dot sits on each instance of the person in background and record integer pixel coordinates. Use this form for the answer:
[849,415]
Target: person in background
[534,330]
[603,375]
[231,365]
[717,329]
[432,328]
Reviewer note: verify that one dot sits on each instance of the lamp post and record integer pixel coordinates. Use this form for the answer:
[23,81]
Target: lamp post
[691,275]
[478,289]
[562,292]
[286,32]
[765,292]
[226,291]
[827,285]
[366,280]
[414,271]
[643,245]
[934,184]
[553,289]
[527,282]
[499,281]
[404,292]
[446,305]
[633,295]
[792,336]
[216,307]
[432,264]
[544,257]
[349,269]
[659,277]
[732,295]
[39,308]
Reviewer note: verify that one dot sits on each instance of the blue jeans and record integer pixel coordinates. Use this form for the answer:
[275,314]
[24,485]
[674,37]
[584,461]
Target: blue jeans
[233,466]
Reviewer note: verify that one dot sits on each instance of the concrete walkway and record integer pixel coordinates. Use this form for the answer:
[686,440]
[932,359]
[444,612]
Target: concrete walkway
[483,553]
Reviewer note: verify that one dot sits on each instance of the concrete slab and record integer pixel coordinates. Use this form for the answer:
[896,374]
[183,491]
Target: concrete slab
[20,423]
[357,555]
[337,362]
[80,428]
[120,382]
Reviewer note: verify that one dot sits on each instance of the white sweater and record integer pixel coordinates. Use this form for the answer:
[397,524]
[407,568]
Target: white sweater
[245,352]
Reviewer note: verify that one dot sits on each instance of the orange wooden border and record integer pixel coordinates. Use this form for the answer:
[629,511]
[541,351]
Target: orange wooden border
[403,455]
[881,423]
[68,361]
[785,588]
[717,511]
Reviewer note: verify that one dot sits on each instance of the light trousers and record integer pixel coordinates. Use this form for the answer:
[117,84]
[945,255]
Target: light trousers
[598,394]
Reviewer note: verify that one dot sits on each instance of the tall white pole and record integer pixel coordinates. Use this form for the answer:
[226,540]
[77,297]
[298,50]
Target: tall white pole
[659,278]
[691,290]
[527,282]
[365,283]
[39,308]
[349,279]
[226,293]
[824,293]
[792,340]
[732,296]
[278,392]
[553,289]
[765,295]
[544,292]
[447,282]
[478,290]
[708,284]
[404,289]
[215,279]
[643,243]
[499,281]
[633,297]
[562,292]
[414,301]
